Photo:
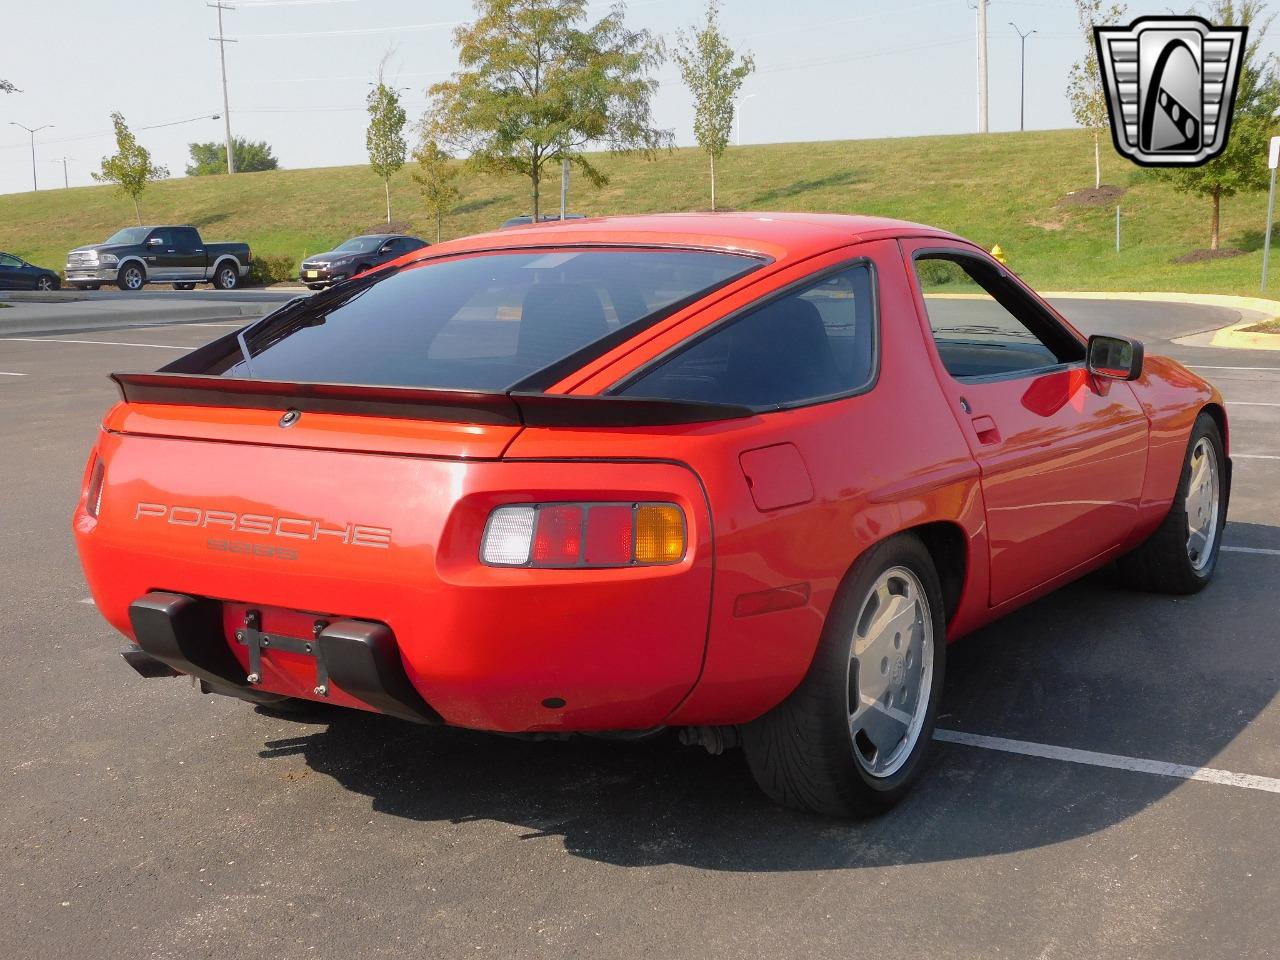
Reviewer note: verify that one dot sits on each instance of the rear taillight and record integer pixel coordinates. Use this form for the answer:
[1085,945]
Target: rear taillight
[572,535]
[93,496]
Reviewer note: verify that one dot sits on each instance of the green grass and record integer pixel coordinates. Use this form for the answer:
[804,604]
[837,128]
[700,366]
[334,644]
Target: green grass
[999,188]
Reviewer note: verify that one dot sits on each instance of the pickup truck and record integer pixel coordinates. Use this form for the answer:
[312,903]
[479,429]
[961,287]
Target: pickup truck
[136,256]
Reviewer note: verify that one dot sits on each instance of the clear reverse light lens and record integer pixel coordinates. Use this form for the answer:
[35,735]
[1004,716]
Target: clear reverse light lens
[508,536]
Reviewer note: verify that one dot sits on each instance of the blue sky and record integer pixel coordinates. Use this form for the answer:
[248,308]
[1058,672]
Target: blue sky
[827,70]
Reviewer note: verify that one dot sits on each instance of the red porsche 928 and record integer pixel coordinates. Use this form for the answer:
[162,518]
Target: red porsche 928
[744,475]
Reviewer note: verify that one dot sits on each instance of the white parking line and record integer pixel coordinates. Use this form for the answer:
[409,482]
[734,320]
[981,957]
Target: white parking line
[98,343]
[88,600]
[1250,403]
[5,374]
[1113,761]
[1255,456]
[1262,551]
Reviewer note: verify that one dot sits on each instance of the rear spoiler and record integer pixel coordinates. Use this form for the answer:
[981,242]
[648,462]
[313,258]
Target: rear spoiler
[414,403]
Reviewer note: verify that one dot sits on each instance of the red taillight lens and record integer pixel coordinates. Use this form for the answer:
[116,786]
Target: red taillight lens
[584,535]
[557,541]
[93,496]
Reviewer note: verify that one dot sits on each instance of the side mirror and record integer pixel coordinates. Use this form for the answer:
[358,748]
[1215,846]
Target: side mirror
[1115,358]
[155,242]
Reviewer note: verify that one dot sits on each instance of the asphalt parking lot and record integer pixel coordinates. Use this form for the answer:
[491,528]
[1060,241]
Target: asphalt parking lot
[142,820]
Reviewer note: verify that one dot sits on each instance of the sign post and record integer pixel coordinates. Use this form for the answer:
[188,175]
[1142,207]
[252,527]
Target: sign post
[1273,161]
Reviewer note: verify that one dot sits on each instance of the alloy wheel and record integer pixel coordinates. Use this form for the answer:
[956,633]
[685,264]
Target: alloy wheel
[890,675]
[1201,505]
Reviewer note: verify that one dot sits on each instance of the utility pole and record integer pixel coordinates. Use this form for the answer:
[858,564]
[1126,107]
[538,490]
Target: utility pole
[222,42]
[982,65]
[1022,99]
[66,183]
[33,132]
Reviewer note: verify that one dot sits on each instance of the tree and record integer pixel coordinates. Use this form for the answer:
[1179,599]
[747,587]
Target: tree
[1084,81]
[251,156]
[130,168]
[707,64]
[1242,165]
[385,136]
[538,84]
[436,177]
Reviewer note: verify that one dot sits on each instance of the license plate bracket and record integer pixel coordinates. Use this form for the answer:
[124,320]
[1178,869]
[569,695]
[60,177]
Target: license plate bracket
[251,636]
[312,274]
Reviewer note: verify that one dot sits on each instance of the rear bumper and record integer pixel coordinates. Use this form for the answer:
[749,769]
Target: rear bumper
[358,659]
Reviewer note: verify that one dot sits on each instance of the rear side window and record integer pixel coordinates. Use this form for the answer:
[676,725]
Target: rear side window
[483,322]
[813,343]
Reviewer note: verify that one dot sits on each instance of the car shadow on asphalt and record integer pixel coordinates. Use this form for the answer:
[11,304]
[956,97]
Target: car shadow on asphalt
[1092,666]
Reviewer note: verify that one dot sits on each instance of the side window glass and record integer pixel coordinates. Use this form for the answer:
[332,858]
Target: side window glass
[186,239]
[8,261]
[983,323]
[814,343]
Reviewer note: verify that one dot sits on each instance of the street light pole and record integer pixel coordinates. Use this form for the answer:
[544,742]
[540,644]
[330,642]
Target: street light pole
[33,132]
[222,42]
[66,183]
[1022,100]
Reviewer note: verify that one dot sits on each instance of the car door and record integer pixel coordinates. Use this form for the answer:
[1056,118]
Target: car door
[11,273]
[1062,453]
[189,257]
[161,256]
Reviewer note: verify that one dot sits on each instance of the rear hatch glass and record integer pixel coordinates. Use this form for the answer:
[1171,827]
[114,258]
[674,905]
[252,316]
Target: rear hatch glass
[484,322]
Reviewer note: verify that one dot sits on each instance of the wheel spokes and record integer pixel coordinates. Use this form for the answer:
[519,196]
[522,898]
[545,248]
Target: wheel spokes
[885,727]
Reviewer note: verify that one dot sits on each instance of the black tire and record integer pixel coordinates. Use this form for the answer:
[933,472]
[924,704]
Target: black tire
[802,752]
[315,286]
[48,283]
[131,277]
[184,286]
[89,286]
[1163,563]
[226,276]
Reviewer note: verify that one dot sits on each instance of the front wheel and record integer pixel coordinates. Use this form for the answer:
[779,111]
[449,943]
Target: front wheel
[184,286]
[226,277]
[1182,554]
[131,277]
[47,283]
[850,740]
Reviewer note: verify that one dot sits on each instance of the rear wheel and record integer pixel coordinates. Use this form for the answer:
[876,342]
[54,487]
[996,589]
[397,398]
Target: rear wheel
[131,277]
[89,286]
[851,739]
[226,277]
[184,286]
[315,286]
[1182,554]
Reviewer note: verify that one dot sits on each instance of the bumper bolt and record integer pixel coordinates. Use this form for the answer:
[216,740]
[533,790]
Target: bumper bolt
[253,678]
[321,691]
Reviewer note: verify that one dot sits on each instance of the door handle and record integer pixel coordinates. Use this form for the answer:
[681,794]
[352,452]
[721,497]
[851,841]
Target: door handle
[986,430]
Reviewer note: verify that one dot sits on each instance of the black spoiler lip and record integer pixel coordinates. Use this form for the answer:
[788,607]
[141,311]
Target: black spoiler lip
[415,403]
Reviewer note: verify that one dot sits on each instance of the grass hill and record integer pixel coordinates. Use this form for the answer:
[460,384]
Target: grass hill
[999,188]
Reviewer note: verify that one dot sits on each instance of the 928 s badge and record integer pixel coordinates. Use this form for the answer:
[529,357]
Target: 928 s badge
[1170,84]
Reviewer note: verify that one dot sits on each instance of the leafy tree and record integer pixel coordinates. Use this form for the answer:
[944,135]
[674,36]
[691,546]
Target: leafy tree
[707,64]
[130,168]
[538,84]
[437,178]
[385,136]
[1243,164]
[251,156]
[1084,81]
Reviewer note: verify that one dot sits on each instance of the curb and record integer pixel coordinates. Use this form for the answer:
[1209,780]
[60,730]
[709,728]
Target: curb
[1230,337]
[55,321]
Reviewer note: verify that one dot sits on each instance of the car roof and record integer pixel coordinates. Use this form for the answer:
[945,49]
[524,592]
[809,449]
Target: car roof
[776,235]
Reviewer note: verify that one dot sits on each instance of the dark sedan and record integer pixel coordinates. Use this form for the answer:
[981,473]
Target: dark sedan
[17,274]
[356,256]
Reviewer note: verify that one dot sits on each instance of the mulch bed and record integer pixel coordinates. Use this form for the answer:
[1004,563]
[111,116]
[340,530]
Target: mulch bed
[1200,256]
[1107,194]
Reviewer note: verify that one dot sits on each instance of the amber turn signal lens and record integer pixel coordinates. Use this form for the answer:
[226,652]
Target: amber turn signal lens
[659,533]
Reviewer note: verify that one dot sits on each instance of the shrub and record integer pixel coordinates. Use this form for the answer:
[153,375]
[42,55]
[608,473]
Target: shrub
[272,268]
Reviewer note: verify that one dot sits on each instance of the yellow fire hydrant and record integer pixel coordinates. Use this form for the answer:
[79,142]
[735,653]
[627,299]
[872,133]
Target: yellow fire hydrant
[999,255]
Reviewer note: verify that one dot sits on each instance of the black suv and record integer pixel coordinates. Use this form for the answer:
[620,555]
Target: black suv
[356,256]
